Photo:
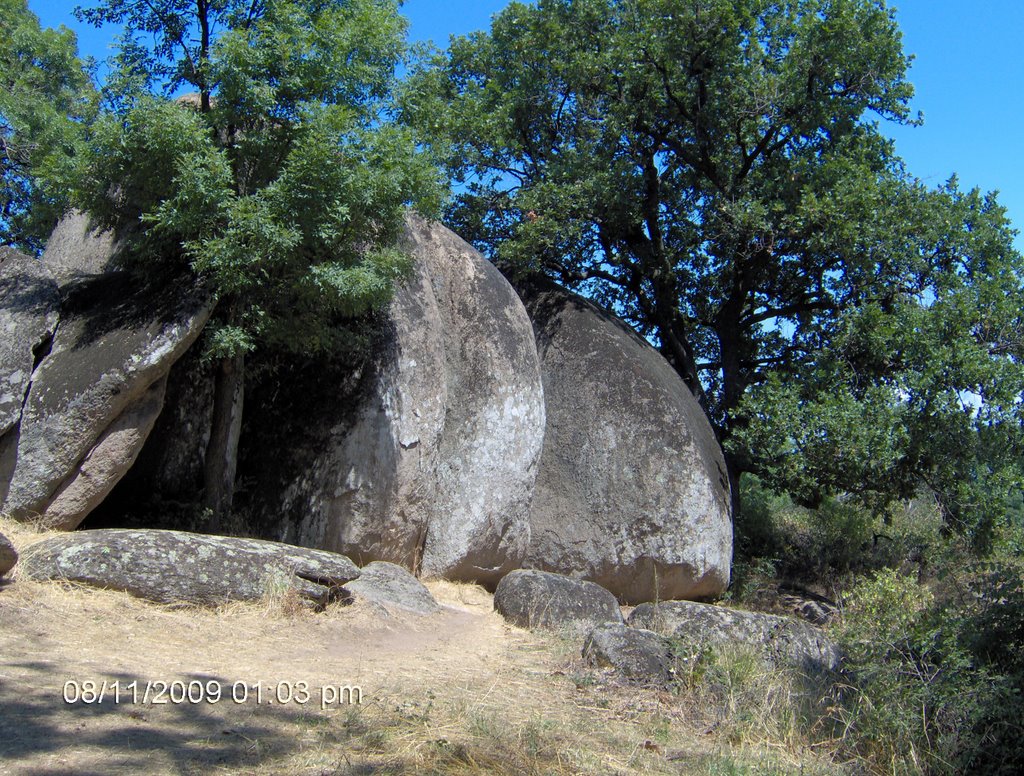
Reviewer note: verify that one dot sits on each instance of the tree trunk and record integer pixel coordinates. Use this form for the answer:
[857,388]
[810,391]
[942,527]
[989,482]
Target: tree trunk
[222,449]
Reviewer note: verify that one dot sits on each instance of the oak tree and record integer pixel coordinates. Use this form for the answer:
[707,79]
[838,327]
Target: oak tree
[713,171]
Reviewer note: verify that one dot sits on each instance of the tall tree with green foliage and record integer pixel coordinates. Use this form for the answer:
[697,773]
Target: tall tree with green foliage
[46,100]
[713,172]
[280,181]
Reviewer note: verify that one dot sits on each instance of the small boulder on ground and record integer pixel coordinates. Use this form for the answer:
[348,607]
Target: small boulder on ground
[539,599]
[781,640]
[8,556]
[178,567]
[392,585]
[641,656]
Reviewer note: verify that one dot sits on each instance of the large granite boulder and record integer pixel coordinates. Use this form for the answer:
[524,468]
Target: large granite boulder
[781,640]
[97,393]
[632,491]
[8,555]
[427,456]
[640,656]
[29,310]
[392,586]
[537,599]
[179,567]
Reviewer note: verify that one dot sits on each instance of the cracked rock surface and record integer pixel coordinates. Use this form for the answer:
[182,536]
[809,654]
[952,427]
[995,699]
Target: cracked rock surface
[29,311]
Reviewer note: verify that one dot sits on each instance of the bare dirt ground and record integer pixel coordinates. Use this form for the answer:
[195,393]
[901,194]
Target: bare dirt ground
[455,692]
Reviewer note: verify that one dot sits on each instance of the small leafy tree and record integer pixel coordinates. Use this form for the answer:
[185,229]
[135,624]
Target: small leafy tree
[280,181]
[46,99]
[713,171]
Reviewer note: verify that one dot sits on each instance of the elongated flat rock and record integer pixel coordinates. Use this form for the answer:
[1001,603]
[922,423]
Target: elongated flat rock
[179,567]
[780,639]
[29,309]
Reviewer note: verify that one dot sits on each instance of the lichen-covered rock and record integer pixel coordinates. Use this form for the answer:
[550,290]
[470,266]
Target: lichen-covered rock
[780,639]
[640,656]
[632,490]
[29,309]
[179,567]
[537,599]
[428,456]
[8,555]
[392,585]
[95,396]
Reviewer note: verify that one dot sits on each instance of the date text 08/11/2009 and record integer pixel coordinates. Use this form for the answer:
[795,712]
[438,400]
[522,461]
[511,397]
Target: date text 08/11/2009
[195,691]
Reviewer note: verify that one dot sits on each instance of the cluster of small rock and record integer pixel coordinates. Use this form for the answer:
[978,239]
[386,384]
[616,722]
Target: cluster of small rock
[644,648]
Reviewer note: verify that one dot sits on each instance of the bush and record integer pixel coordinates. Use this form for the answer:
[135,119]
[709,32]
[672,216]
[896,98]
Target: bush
[926,695]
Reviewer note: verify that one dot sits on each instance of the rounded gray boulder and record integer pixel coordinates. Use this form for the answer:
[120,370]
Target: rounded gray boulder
[428,456]
[392,585]
[632,490]
[537,599]
[8,556]
[641,656]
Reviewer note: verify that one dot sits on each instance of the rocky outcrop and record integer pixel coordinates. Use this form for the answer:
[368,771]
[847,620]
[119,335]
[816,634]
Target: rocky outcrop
[632,490]
[641,656]
[29,309]
[537,599]
[429,458]
[8,556]
[779,639]
[178,567]
[391,585]
[97,393]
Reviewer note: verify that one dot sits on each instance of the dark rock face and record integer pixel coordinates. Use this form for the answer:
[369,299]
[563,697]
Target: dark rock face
[632,490]
[95,397]
[393,586]
[163,487]
[641,656]
[180,567]
[8,555]
[781,639]
[537,599]
[427,457]
[29,310]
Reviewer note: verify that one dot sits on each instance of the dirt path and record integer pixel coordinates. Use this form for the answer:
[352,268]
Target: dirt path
[456,692]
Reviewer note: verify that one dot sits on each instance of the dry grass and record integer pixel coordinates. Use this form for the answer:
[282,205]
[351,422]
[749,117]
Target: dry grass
[459,692]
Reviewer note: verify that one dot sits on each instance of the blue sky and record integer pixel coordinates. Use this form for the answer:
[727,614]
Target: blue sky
[968,74]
